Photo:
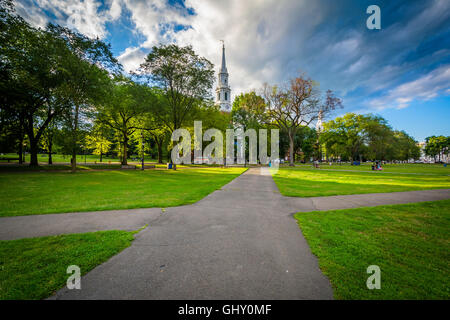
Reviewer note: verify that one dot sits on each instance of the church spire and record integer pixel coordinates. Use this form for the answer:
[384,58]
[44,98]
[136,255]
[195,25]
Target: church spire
[223,91]
[223,69]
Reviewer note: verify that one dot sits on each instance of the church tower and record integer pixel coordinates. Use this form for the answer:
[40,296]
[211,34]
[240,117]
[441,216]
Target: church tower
[319,124]
[223,91]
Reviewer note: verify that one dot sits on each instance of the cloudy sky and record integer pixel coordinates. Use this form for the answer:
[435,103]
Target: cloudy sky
[401,72]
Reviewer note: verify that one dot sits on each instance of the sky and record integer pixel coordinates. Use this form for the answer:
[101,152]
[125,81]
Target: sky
[400,72]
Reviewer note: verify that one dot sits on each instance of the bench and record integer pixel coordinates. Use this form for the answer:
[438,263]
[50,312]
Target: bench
[128,166]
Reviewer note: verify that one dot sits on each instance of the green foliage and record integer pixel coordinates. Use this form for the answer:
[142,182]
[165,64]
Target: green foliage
[49,73]
[125,110]
[437,146]
[409,243]
[297,105]
[184,78]
[354,137]
[249,110]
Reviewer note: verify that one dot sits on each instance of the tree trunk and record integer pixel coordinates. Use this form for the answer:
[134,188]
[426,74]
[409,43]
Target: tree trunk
[74,141]
[50,145]
[124,155]
[101,153]
[33,152]
[21,148]
[159,152]
[291,149]
[73,161]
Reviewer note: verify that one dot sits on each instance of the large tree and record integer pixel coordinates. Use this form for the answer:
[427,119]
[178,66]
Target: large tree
[354,136]
[436,146]
[249,110]
[87,81]
[125,110]
[297,105]
[44,74]
[406,147]
[184,78]
[32,65]
[346,136]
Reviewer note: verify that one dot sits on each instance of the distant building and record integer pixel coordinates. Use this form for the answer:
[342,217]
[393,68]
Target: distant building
[427,159]
[223,91]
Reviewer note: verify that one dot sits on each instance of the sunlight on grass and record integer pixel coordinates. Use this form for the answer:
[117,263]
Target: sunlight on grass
[58,192]
[408,242]
[302,182]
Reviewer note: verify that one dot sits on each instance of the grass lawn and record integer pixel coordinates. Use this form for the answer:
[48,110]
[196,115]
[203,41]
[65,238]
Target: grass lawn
[410,244]
[61,158]
[306,182]
[35,268]
[429,168]
[56,192]
[57,167]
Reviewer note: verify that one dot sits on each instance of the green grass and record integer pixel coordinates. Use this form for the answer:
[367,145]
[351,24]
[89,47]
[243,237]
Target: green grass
[306,182]
[61,158]
[393,168]
[410,244]
[56,192]
[35,268]
[57,167]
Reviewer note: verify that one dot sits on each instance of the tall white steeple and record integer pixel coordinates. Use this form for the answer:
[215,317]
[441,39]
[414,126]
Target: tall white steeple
[223,91]
[319,124]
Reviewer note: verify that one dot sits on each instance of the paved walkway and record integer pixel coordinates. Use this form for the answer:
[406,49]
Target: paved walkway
[240,242]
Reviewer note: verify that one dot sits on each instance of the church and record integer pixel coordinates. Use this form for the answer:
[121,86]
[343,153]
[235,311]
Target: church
[223,91]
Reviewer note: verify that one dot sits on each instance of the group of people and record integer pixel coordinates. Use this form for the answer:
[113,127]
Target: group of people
[377,166]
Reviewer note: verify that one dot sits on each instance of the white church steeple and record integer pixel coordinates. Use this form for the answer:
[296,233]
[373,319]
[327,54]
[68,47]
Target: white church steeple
[223,91]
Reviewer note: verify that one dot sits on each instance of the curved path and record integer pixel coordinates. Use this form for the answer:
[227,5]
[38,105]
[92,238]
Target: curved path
[239,242]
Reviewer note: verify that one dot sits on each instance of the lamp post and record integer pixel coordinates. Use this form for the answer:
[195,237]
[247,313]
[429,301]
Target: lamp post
[142,137]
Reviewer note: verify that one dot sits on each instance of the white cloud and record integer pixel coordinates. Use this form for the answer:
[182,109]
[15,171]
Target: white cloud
[270,41]
[424,88]
[132,58]
[258,35]
[83,16]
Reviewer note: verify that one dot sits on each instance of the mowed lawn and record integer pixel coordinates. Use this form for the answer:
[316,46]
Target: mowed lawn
[35,268]
[421,168]
[410,243]
[57,192]
[306,182]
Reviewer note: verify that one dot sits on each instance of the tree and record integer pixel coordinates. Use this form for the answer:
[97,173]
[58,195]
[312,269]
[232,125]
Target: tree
[381,143]
[33,59]
[345,136]
[43,74]
[86,80]
[249,110]
[354,136]
[437,146]
[98,140]
[306,142]
[185,80]
[405,147]
[127,104]
[297,105]
[48,139]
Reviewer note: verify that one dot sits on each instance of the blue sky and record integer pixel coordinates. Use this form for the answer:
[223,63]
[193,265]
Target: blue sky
[401,72]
